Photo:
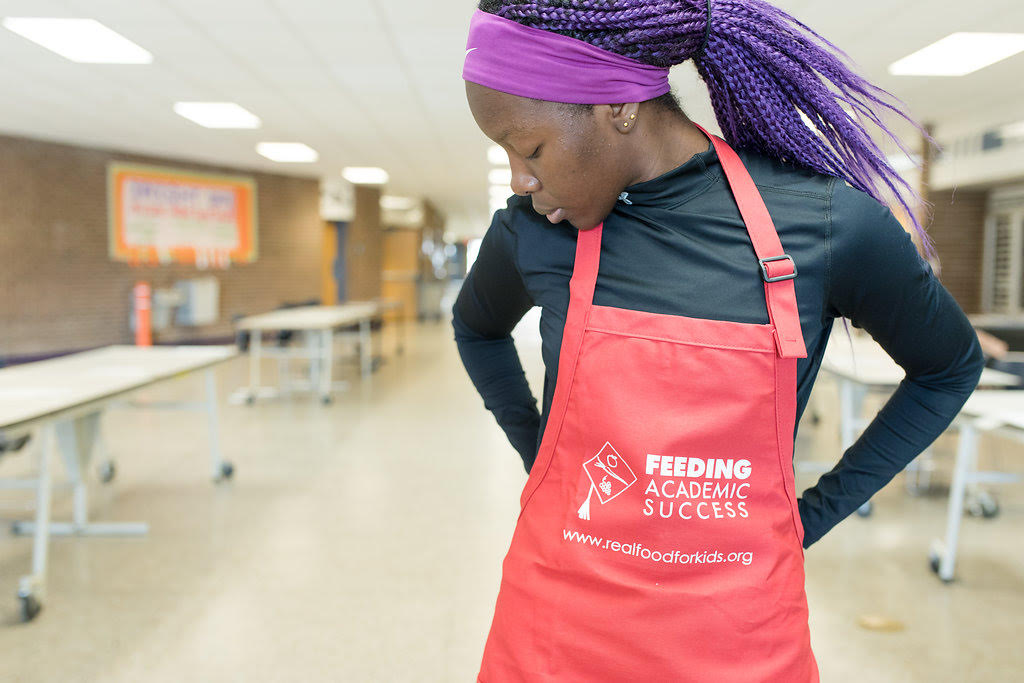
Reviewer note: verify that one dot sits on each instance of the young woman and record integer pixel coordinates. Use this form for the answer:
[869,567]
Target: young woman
[687,295]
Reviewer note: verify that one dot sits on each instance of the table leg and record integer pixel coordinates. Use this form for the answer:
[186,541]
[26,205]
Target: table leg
[365,348]
[966,452]
[32,589]
[255,355]
[326,360]
[377,356]
[851,403]
[313,341]
[849,413]
[918,472]
[76,441]
[401,323]
[221,468]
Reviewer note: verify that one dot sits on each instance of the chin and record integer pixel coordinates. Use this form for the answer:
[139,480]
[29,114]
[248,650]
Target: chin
[583,224]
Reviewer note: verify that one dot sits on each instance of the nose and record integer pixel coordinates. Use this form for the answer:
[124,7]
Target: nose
[523,182]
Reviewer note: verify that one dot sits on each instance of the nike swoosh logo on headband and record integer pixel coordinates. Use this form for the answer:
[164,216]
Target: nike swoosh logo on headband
[469,50]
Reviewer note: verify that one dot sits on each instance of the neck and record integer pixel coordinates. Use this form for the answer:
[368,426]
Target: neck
[668,142]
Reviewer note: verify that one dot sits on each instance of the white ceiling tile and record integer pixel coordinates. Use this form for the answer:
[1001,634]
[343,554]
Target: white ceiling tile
[34,8]
[438,14]
[331,17]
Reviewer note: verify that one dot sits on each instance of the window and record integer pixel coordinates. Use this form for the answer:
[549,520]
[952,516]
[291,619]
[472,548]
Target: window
[1004,253]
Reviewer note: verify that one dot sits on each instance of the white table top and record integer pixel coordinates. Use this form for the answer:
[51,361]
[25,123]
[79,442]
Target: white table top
[870,364]
[1006,321]
[311,317]
[34,391]
[996,408]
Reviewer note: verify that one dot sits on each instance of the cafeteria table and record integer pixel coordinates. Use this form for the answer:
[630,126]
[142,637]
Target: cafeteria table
[59,402]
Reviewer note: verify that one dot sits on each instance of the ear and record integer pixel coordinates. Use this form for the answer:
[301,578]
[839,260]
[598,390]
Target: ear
[622,117]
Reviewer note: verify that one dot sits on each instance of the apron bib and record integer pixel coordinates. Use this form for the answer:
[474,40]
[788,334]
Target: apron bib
[659,537]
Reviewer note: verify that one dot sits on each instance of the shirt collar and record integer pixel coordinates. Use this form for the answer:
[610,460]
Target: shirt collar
[676,186]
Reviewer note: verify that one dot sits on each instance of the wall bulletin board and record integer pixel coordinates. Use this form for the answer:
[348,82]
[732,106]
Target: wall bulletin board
[165,215]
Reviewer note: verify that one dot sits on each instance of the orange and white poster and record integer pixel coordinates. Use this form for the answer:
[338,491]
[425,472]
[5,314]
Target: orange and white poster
[162,215]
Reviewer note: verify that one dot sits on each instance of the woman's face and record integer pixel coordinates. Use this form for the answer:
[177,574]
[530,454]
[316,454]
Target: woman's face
[565,160]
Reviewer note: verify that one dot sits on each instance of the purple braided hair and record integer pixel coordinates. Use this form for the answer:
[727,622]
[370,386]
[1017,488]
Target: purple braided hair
[768,76]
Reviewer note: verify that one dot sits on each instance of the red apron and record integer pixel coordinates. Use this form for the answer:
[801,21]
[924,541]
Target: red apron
[659,537]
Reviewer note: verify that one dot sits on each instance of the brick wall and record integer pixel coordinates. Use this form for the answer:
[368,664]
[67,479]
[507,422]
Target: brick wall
[958,230]
[60,291]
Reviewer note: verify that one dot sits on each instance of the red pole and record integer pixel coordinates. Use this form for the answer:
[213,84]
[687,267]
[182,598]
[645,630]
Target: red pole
[143,327]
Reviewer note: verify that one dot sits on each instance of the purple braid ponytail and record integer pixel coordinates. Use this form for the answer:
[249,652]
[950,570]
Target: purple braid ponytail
[770,78]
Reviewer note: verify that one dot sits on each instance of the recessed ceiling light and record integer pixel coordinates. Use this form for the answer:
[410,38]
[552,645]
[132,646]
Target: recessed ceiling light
[500,176]
[393,203]
[959,54]
[80,40]
[289,152]
[365,175]
[217,114]
[496,155]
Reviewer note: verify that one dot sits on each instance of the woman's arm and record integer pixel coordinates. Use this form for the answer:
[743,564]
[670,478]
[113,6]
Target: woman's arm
[492,300]
[876,278]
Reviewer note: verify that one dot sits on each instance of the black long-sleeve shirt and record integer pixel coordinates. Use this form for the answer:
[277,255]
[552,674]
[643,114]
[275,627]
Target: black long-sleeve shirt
[676,245]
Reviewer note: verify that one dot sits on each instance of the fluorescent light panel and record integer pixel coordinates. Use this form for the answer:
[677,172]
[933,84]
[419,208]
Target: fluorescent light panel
[959,54]
[288,152]
[365,175]
[217,114]
[80,40]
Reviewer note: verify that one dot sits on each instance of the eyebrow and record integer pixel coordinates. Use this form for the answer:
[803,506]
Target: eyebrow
[514,128]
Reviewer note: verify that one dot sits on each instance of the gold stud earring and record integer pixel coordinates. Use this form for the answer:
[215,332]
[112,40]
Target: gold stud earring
[632,116]
[626,124]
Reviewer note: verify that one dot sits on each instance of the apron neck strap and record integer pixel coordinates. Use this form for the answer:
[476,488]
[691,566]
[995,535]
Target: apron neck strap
[777,268]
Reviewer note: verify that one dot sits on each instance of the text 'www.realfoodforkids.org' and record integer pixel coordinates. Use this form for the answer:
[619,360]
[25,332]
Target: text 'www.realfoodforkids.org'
[666,556]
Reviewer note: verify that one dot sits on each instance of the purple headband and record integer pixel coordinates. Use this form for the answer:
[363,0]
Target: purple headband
[520,60]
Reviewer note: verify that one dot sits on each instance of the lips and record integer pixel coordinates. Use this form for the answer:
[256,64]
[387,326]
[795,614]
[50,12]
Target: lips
[554,215]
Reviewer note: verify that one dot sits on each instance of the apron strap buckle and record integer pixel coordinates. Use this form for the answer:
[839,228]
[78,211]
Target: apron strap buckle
[777,278]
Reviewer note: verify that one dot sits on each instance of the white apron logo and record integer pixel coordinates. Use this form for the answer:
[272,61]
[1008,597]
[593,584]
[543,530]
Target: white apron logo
[609,475]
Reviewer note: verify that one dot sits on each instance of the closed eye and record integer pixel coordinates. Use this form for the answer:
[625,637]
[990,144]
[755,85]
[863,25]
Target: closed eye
[534,155]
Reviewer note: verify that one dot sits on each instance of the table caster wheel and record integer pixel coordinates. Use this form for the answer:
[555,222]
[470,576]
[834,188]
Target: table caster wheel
[107,471]
[933,563]
[227,470]
[30,606]
[983,505]
[866,509]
